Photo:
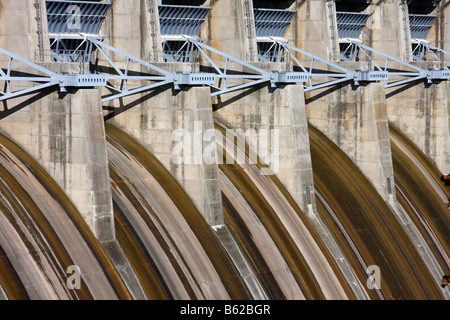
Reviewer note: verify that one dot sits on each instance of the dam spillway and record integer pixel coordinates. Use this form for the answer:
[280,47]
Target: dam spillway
[184,150]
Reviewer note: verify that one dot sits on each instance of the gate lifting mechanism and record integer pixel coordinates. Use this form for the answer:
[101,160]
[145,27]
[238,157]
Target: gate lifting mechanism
[221,76]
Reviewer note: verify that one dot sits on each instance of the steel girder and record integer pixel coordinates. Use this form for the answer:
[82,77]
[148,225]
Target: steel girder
[252,76]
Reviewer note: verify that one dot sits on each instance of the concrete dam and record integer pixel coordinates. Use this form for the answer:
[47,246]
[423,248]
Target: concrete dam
[224,150]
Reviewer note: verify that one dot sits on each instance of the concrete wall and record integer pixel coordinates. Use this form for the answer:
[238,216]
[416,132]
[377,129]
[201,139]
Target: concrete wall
[226,28]
[18,28]
[388,30]
[354,118]
[64,133]
[442,29]
[422,113]
[420,110]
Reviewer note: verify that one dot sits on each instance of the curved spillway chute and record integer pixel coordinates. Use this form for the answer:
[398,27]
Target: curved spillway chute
[365,227]
[261,214]
[185,257]
[43,237]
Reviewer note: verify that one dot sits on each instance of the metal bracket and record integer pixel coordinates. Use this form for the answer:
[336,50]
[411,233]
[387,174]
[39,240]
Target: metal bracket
[424,47]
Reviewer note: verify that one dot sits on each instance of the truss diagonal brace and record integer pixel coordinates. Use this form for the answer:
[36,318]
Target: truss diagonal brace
[336,77]
[165,77]
[49,78]
[419,73]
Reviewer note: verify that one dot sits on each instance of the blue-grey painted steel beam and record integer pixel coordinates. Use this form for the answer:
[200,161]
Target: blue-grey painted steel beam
[65,81]
[259,76]
[163,78]
[280,78]
[49,78]
[341,75]
[423,49]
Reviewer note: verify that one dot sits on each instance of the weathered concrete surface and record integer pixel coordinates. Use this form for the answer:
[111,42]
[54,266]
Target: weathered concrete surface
[228,29]
[419,110]
[18,34]
[314,29]
[388,29]
[281,114]
[442,27]
[353,118]
[66,135]
[278,112]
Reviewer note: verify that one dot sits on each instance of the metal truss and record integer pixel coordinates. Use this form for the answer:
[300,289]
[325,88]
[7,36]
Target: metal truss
[409,76]
[340,75]
[252,75]
[119,80]
[49,78]
[95,79]
[282,78]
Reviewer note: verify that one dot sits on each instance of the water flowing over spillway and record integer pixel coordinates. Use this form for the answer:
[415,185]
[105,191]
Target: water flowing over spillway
[364,226]
[175,254]
[423,195]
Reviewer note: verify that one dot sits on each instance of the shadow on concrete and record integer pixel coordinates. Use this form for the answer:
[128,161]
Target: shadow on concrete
[406,87]
[221,103]
[115,111]
[9,111]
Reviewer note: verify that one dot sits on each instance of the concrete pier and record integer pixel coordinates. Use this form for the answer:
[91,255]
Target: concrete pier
[64,132]
[66,135]
[162,119]
[355,119]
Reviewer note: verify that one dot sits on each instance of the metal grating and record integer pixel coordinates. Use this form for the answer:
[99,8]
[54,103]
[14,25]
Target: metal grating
[350,24]
[68,17]
[420,25]
[272,22]
[67,20]
[181,20]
